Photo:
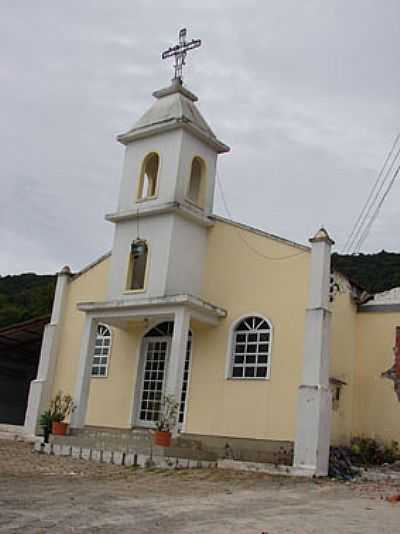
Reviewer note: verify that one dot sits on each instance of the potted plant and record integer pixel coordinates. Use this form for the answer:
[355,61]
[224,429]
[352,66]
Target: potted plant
[46,421]
[61,406]
[166,421]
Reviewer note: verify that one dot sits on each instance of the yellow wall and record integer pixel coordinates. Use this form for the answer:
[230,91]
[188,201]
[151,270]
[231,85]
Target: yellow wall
[377,410]
[343,358]
[244,283]
[110,399]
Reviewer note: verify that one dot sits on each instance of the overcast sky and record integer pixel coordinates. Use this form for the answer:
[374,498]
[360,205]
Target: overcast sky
[305,92]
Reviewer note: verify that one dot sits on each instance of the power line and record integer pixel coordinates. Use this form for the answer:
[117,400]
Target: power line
[372,197]
[242,238]
[377,210]
[371,207]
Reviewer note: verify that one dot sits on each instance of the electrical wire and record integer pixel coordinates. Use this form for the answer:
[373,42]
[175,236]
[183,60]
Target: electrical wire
[357,229]
[377,210]
[242,238]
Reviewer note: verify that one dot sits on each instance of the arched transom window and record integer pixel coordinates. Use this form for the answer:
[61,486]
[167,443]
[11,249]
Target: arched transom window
[251,348]
[148,177]
[102,349]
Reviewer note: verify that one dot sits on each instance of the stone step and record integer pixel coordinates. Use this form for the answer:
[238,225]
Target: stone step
[135,441]
[117,457]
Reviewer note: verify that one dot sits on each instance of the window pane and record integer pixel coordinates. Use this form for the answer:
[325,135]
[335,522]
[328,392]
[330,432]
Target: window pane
[237,372]
[261,372]
[249,372]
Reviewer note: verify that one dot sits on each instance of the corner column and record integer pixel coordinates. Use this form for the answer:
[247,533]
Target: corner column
[41,388]
[82,382]
[311,452]
[176,361]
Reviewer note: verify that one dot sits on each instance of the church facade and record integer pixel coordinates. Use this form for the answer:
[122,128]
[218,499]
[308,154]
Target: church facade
[245,329]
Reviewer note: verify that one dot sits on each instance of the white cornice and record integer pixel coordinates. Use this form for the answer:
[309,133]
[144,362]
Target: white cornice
[191,213]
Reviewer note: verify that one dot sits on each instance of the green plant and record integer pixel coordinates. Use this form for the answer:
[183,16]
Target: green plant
[167,416]
[46,419]
[369,451]
[61,406]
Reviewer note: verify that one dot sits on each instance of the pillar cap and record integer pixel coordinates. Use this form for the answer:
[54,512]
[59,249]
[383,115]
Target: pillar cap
[65,270]
[322,235]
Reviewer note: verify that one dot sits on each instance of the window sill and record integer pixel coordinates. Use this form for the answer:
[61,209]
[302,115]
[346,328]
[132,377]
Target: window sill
[98,376]
[134,291]
[146,199]
[252,378]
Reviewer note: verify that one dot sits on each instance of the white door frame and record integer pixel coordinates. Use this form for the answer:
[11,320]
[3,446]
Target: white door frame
[138,388]
[140,377]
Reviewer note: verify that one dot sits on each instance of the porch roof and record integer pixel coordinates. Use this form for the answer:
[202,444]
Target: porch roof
[125,310]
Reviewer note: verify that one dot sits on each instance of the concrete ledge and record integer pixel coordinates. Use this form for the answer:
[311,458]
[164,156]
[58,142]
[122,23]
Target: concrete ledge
[269,469]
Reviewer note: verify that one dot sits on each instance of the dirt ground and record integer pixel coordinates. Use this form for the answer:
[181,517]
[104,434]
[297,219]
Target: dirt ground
[40,493]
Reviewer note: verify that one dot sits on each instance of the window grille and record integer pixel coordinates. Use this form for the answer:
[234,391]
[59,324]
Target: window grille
[101,351]
[251,349]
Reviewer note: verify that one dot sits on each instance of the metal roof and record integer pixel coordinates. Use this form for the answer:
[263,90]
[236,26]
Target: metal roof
[23,340]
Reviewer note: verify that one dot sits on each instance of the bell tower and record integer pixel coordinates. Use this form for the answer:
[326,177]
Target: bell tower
[166,195]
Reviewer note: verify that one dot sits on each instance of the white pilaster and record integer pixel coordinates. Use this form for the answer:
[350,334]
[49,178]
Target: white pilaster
[176,361]
[41,387]
[82,382]
[312,443]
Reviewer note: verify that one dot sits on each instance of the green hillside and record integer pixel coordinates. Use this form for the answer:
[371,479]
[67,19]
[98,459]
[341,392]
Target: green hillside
[374,272]
[25,296]
[29,295]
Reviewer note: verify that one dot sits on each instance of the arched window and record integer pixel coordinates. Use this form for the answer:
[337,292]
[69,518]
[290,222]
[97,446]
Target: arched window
[102,349]
[148,177]
[196,187]
[137,265]
[251,348]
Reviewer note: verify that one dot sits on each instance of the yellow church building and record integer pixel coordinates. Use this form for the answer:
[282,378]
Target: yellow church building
[265,349]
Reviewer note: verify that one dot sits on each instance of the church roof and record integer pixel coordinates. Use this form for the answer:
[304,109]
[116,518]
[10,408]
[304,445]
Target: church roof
[174,108]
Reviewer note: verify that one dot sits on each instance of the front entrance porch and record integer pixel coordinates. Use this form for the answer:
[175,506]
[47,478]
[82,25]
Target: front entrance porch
[165,351]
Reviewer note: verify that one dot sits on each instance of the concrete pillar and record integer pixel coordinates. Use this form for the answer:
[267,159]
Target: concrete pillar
[41,388]
[82,382]
[311,452]
[176,361]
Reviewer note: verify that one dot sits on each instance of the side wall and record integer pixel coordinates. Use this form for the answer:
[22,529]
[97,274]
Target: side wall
[343,361]
[377,409]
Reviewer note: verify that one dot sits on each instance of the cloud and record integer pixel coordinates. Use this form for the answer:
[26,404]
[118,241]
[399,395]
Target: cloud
[306,94]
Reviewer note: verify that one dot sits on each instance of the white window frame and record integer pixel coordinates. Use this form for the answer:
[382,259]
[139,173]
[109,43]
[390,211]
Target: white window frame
[231,346]
[108,355]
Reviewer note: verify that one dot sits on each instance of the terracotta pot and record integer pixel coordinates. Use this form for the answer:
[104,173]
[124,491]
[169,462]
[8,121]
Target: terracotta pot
[59,428]
[163,439]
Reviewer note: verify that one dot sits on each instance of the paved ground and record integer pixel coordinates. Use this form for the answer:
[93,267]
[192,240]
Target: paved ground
[41,493]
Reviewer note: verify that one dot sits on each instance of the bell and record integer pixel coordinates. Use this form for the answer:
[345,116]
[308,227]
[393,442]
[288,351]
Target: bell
[138,248]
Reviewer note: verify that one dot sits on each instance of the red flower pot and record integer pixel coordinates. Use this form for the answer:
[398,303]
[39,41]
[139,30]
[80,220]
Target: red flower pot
[162,439]
[59,428]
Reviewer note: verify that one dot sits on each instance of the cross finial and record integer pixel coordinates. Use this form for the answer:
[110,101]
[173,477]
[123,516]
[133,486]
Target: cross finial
[179,51]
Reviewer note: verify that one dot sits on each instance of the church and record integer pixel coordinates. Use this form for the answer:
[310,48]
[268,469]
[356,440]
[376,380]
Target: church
[267,352]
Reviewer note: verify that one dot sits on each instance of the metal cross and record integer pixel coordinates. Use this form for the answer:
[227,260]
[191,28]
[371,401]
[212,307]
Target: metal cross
[179,51]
